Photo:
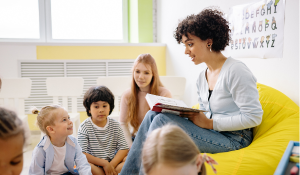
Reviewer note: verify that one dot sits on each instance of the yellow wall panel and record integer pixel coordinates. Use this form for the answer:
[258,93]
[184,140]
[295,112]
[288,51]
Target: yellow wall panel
[32,122]
[83,116]
[103,52]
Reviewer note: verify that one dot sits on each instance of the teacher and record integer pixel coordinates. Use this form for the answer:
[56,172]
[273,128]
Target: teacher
[226,90]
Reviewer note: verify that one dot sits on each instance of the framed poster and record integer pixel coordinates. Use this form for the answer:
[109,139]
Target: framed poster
[257,29]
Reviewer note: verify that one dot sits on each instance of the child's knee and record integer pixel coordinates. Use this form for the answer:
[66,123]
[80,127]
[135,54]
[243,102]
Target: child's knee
[119,167]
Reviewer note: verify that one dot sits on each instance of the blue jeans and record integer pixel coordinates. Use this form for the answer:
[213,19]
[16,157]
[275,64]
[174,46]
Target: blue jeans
[208,141]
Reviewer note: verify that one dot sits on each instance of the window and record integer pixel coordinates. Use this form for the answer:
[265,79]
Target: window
[86,20]
[68,21]
[21,21]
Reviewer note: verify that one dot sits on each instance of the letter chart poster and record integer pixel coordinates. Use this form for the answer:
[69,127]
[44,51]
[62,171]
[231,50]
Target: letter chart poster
[257,29]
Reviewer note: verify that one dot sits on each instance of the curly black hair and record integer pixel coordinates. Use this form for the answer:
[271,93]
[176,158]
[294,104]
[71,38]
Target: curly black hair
[98,93]
[208,24]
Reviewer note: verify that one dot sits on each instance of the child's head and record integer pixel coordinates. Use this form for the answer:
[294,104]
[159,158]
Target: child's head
[54,119]
[145,72]
[144,76]
[169,150]
[97,96]
[11,143]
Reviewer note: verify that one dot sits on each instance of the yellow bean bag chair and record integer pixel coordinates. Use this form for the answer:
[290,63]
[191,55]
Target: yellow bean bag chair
[280,124]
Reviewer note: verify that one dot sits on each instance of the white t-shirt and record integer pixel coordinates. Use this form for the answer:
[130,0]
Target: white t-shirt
[58,166]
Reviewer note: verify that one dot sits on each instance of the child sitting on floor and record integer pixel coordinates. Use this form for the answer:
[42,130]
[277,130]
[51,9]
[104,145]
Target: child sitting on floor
[101,138]
[58,150]
[169,150]
[11,142]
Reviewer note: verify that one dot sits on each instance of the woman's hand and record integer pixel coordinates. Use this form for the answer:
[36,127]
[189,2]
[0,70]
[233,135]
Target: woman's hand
[109,169]
[198,119]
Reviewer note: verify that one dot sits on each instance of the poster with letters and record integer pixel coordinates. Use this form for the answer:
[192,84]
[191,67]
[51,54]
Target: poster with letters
[257,29]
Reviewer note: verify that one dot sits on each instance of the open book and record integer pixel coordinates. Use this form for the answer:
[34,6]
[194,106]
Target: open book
[169,105]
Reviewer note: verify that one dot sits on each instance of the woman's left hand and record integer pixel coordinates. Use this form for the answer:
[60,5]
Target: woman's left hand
[198,119]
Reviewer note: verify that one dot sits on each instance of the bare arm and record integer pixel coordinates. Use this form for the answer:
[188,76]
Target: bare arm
[164,92]
[107,167]
[95,160]
[127,134]
[122,149]
[123,117]
[121,154]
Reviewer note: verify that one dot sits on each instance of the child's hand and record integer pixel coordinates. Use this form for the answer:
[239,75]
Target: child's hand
[109,169]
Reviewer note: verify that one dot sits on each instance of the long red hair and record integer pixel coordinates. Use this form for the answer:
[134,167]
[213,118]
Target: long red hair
[133,103]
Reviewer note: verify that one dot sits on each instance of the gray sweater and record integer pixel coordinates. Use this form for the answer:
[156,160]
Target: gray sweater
[234,102]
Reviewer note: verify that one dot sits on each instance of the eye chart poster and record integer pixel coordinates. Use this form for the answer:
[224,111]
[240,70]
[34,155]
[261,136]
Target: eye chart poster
[257,29]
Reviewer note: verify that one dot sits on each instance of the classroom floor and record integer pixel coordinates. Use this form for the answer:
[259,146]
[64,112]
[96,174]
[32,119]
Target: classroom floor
[34,140]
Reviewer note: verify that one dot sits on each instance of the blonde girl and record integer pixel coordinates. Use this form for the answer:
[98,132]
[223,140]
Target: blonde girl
[145,79]
[169,150]
[11,143]
[58,151]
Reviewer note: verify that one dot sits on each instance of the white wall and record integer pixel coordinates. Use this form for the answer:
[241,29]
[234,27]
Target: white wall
[279,73]
[9,56]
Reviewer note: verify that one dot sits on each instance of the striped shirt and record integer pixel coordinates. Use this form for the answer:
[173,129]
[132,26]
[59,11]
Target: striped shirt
[102,142]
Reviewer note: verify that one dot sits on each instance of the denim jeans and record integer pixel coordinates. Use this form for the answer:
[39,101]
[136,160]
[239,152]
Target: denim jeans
[208,141]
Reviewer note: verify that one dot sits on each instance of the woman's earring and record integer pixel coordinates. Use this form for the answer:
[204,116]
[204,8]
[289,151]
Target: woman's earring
[210,47]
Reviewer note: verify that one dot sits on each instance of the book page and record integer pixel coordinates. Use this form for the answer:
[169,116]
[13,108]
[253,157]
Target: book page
[154,99]
[173,102]
[168,105]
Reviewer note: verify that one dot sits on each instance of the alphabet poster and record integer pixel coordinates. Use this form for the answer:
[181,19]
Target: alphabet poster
[257,29]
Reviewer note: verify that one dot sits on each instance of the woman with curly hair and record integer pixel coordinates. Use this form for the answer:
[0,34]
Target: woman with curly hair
[226,91]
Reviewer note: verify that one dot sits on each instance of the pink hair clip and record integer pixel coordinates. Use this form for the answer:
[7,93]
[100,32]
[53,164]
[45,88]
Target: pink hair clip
[210,161]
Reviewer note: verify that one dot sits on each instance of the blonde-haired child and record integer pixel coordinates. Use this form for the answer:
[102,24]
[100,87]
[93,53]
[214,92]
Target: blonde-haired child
[169,150]
[11,143]
[58,150]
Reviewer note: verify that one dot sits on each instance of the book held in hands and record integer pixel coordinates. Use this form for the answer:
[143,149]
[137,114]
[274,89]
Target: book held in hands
[168,105]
